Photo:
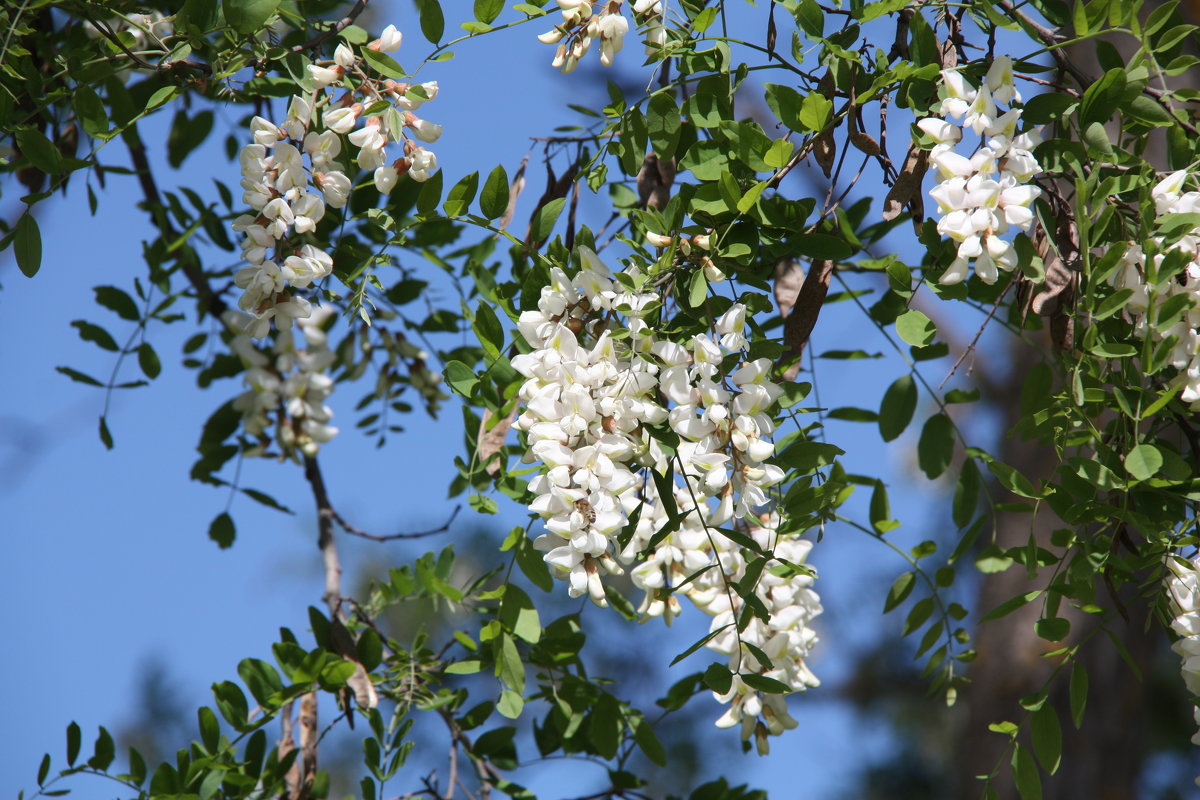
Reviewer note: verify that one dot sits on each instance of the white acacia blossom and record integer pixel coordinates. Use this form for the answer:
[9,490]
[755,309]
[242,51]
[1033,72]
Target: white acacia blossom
[288,197]
[582,24]
[1183,599]
[595,386]
[287,386]
[985,194]
[1170,197]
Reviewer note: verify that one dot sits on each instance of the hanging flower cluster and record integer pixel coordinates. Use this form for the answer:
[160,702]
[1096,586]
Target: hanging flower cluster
[595,386]
[703,564]
[1183,593]
[1149,297]
[580,26]
[986,194]
[287,386]
[288,197]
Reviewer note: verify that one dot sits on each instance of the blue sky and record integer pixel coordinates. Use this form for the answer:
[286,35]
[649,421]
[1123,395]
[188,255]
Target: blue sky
[108,559]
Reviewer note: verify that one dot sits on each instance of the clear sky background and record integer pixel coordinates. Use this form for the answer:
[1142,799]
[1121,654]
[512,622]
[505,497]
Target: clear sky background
[108,565]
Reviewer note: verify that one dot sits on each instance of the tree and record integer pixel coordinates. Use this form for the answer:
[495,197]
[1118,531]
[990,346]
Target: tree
[646,383]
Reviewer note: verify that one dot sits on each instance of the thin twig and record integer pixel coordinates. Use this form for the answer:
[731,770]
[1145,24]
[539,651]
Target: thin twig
[341,25]
[353,531]
[971,347]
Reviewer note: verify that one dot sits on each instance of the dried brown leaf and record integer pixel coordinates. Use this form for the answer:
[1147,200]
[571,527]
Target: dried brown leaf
[491,439]
[906,191]
[789,277]
[825,151]
[798,326]
[865,142]
[515,187]
[654,181]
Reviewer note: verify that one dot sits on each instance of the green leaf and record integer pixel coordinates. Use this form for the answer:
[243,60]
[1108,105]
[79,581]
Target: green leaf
[1011,605]
[663,125]
[39,150]
[487,328]
[815,111]
[915,328]
[210,729]
[460,196]
[810,18]
[510,704]
[898,406]
[1052,629]
[785,102]
[148,360]
[646,739]
[822,246]
[187,133]
[94,333]
[966,494]
[248,16]
[433,24]
[1029,783]
[544,219]
[1047,738]
[231,702]
[118,301]
[880,510]
[509,667]
[935,448]
[27,245]
[1102,98]
[104,751]
[487,10]
[161,96]
[779,154]
[518,614]
[105,434]
[718,678]
[89,109]
[901,588]
[494,199]
[918,614]
[1012,480]
[222,530]
[461,378]
[1096,138]
[697,289]
[1143,462]
[1079,692]
[384,64]
[74,739]
[764,684]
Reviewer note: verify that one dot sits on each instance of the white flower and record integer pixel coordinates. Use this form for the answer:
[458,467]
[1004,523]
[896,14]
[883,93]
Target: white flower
[425,131]
[388,41]
[335,186]
[385,178]
[424,164]
[324,76]
[344,56]
[265,132]
[340,120]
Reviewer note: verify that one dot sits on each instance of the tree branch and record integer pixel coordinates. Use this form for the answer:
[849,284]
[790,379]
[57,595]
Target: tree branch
[325,540]
[210,300]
